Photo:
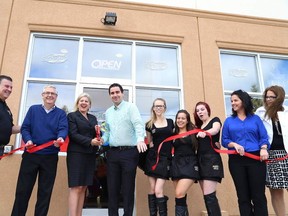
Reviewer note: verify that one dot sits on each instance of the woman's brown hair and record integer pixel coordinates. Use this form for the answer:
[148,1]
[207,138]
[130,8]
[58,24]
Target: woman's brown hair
[277,104]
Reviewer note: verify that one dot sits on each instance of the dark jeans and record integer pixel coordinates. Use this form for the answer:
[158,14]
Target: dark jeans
[121,173]
[45,166]
[249,179]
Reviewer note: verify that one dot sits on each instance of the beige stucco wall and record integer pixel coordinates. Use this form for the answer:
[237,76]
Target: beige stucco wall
[200,34]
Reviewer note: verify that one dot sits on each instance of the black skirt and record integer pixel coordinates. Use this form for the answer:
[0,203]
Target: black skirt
[162,168]
[81,169]
[185,166]
[211,167]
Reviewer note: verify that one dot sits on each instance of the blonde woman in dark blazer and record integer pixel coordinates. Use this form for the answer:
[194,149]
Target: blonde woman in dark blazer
[81,153]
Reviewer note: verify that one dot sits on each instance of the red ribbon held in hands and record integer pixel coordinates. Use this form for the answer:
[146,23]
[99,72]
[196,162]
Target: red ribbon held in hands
[247,154]
[173,138]
[35,148]
[97,129]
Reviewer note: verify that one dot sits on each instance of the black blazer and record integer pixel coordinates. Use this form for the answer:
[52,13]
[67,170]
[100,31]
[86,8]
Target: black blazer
[81,132]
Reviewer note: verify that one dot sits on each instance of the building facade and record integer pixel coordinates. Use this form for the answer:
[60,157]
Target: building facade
[182,55]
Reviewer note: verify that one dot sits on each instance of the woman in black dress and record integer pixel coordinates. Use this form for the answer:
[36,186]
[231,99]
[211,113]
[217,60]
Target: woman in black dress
[158,128]
[81,153]
[210,162]
[184,169]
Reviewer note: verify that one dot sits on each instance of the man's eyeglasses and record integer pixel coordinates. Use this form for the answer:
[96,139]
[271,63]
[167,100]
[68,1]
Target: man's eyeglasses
[49,93]
[270,97]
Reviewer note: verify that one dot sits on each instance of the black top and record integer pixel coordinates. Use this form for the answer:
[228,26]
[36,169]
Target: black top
[184,146]
[277,141]
[81,132]
[205,143]
[6,123]
[160,134]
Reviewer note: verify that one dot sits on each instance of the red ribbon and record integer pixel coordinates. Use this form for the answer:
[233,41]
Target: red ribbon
[247,154]
[172,138]
[35,148]
[12,152]
[97,129]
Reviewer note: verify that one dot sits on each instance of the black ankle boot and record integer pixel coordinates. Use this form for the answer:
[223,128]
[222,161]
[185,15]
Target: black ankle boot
[162,205]
[181,211]
[152,204]
[212,204]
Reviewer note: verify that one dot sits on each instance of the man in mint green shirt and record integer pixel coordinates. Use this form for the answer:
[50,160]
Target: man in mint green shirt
[125,134]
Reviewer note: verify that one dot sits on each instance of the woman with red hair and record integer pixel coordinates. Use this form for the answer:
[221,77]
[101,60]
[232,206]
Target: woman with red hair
[210,162]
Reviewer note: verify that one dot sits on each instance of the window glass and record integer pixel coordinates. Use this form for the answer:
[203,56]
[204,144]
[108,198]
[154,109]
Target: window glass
[107,60]
[101,101]
[75,63]
[54,58]
[275,72]
[239,72]
[145,98]
[156,65]
[65,99]
[228,107]
[257,102]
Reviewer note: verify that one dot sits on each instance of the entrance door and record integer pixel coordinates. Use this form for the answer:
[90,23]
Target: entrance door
[96,197]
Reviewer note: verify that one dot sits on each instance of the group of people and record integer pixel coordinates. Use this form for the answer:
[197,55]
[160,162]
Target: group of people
[187,159]
[190,157]
[47,125]
[259,144]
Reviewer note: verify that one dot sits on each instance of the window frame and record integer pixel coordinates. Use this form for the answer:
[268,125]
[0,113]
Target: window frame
[257,56]
[80,81]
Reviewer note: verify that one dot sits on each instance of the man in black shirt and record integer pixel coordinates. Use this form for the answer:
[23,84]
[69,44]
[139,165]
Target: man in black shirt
[6,119]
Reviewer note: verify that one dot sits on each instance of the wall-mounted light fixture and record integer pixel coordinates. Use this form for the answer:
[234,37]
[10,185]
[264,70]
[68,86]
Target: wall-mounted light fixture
[109,19]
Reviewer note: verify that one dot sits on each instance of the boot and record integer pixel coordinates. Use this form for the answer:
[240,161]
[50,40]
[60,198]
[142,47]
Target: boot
[162,205]
[181,211]
[212,204]
[152,204]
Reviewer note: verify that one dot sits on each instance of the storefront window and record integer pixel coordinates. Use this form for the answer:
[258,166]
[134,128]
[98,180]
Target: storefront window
[76,63]
[171,97]
[239,72]
[275,72]
[54,58]
[107,60]
[157,65]
[65,99]
[252,72]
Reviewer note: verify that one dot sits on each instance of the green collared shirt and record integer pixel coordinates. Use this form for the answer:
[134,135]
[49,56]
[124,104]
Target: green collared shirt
[124,125]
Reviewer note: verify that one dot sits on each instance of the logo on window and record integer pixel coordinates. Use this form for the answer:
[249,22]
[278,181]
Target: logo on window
[56,58]
[238,72]
[151,65]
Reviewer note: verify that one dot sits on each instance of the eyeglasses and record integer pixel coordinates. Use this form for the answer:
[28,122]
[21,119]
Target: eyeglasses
[49,93]
[270,97]
[159,106]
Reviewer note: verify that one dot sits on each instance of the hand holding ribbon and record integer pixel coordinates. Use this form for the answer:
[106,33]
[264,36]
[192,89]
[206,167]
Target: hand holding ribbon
[31,148]
[97,129]
[97,141]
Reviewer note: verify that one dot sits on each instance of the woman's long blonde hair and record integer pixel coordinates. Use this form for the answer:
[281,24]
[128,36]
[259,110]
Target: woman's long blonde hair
[153,117]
